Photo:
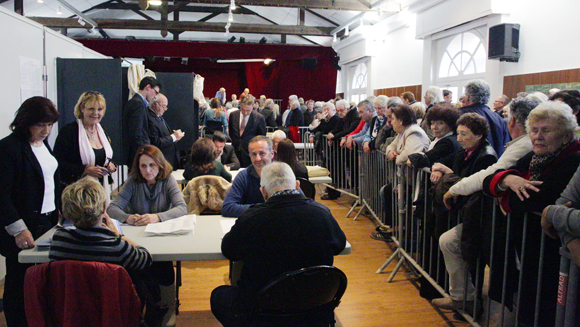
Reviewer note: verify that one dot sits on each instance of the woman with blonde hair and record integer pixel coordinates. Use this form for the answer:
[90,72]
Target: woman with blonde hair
[82,147]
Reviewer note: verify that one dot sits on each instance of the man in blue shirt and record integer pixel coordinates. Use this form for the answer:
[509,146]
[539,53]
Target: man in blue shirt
[245,190]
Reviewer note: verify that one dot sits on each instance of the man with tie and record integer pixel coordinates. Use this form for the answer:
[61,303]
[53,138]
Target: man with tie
[135,121]
[160,134]
[244,125]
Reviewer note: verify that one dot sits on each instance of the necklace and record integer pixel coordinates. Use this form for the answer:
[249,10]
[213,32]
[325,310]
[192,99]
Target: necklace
[92,136]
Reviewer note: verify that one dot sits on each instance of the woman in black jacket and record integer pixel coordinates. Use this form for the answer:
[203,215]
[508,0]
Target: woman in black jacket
[29,195]
[475,154]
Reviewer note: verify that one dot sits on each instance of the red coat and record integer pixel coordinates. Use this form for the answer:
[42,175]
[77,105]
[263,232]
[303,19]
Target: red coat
[77,293]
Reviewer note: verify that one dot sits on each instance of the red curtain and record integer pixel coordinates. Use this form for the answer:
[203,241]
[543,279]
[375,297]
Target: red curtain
[283,77]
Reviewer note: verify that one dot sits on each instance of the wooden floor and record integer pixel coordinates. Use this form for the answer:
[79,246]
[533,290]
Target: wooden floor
[369,300]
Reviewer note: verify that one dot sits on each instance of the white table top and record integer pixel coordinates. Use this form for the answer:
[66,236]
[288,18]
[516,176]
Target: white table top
[204,244]
[178,175]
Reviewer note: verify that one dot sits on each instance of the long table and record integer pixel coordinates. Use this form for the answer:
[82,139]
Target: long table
[203,244]
[178,175]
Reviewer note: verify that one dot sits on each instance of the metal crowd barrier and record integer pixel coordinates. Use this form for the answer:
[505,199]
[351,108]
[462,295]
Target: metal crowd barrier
[400,197]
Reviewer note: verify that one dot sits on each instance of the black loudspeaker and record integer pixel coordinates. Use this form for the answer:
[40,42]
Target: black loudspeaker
[309,63]
[504,40]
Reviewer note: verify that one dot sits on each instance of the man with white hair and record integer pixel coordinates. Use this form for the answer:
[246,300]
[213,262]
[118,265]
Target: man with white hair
[287,232]
[476,95]
[160,134]
[277,137]
[221,95]
[295,116]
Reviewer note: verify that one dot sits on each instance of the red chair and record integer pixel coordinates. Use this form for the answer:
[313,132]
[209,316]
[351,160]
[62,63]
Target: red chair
[80,293]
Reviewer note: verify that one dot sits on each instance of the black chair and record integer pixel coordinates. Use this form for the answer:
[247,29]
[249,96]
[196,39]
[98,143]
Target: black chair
[212,126]
[307,187]
[305,297]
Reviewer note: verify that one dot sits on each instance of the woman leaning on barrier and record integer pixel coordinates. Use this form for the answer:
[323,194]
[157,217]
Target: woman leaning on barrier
[535,182]
[442,119]
[411,137]
[475,154]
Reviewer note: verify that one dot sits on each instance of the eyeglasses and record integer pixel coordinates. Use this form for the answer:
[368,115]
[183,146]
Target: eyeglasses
[89,93]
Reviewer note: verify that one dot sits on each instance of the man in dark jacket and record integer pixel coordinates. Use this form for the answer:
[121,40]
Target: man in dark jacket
[225,153]
[286,233]
[160,134]
[349,120]
[476,96]
[135,121]
[244,125]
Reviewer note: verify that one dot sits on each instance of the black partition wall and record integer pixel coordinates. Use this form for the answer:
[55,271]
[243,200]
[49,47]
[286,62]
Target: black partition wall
[75,76]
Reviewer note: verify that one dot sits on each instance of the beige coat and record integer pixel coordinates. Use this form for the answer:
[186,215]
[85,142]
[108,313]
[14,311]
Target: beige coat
[205,193]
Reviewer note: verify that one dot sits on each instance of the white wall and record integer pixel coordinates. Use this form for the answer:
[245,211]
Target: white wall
[21,37]
[400,47]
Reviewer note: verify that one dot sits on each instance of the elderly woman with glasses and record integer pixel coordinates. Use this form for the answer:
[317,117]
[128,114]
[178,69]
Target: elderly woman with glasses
[82,147]
[536,181]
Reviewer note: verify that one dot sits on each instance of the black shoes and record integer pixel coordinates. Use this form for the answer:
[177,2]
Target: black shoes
[328,197]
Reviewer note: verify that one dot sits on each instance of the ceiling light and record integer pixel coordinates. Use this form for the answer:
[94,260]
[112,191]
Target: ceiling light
[230,17]
[232,39]
[346,31]
[40,1]
[155,2]
[233,5]
[268,61]
[58,9]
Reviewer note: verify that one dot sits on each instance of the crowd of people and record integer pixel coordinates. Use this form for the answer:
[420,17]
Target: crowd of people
[524,151]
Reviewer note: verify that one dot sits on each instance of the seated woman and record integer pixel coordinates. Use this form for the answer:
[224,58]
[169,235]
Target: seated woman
[475,154]
[535,182]
[287,153]
[202,161]
[442,119]
[411,137]
[95,238]
[151,195]
[215,113]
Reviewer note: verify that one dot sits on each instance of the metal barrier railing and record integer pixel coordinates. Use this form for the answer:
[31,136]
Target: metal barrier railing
[399,197]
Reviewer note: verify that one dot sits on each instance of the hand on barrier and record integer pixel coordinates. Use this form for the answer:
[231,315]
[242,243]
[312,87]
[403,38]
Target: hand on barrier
[330,136]
[350,143]
[366,148]
[449,200]
[519,185]
[409,163]
[342,142]
[436,176]
[392,155]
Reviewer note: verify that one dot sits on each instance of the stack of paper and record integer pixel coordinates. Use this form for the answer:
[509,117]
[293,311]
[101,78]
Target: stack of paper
[177,226]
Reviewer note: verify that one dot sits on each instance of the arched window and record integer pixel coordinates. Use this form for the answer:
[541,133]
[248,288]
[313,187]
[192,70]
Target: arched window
[465,55]
[358,82]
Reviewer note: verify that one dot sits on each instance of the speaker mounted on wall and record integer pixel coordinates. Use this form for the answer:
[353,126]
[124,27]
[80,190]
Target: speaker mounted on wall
[504,40]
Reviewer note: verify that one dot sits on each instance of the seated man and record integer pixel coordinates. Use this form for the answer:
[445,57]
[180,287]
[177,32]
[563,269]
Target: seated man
[286,233]
[245,190]
[224,152]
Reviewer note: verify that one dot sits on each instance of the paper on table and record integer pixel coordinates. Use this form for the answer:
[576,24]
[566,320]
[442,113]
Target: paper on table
[227,224]
[181,225]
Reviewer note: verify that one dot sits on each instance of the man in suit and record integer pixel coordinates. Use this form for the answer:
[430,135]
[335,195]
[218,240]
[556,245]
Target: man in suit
[224,152]
[160,134]
[244,125]
[135,121]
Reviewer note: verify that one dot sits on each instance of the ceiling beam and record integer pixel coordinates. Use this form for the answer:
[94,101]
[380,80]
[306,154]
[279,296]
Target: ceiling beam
[187,26]
[352,5]
[322,17]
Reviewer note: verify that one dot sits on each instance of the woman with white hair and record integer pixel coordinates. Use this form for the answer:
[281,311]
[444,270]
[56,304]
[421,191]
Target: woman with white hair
[535,182]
